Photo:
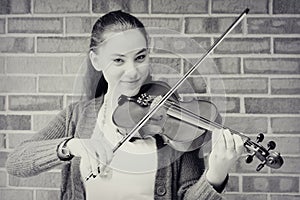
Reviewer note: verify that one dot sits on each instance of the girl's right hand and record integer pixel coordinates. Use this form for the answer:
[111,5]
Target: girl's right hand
[94,152]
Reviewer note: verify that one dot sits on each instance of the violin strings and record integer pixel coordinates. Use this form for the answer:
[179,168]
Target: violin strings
[203,119]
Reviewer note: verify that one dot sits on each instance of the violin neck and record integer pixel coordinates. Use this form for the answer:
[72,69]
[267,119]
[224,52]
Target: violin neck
[199,121]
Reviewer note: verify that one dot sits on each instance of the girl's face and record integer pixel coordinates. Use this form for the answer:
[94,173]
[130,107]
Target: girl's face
[124,61]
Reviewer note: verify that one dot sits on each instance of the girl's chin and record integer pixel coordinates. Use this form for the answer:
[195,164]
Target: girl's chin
[130,93]
[124,91]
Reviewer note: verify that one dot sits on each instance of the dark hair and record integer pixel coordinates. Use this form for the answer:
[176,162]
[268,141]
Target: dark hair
[116,21]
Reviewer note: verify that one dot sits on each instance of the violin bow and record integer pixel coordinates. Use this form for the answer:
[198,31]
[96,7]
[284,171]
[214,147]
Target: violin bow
[155,108]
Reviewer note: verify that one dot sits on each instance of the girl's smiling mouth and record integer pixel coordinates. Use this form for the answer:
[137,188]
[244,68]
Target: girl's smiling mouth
[131,82]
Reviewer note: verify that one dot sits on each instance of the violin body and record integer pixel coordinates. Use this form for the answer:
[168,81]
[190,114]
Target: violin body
[179,134]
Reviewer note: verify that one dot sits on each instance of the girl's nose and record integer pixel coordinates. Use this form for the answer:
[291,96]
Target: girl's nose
[132,71]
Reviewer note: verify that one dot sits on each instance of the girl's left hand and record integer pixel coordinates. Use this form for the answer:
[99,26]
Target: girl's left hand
[226,149]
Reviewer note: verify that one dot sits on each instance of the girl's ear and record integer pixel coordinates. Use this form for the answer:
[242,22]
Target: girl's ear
[95,60]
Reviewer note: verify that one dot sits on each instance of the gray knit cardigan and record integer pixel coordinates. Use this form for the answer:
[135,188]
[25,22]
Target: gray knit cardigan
[181,179]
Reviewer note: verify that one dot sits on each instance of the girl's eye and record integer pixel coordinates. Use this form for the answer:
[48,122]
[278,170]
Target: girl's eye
[140,58]
[118,61]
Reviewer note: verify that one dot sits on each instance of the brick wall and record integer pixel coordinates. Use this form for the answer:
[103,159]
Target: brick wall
[258,63]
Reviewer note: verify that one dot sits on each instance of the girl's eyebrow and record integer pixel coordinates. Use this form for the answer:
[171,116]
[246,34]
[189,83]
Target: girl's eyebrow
[141,51]
[121,55]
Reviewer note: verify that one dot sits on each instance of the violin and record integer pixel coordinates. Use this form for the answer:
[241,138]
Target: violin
[185,126]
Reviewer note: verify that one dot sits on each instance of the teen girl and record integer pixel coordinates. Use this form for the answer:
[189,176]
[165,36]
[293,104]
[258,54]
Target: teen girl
[81,137]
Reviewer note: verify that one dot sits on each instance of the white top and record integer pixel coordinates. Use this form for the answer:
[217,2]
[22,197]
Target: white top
[131,174]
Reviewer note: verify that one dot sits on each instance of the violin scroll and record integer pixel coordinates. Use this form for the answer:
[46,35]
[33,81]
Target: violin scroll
[267,156]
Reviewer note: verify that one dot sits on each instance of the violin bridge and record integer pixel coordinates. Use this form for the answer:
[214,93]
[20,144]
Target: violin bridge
[155,101]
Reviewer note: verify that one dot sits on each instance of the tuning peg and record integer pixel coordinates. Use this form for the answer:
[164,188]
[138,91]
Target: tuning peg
[260,137]
[271,145]
[249,158]
[260,166]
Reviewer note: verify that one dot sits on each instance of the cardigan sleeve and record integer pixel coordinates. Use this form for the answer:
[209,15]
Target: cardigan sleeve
[192,181]
[201,189]
[38,154]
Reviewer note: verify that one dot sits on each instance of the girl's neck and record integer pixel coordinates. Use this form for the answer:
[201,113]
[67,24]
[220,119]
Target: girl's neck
[111,99]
